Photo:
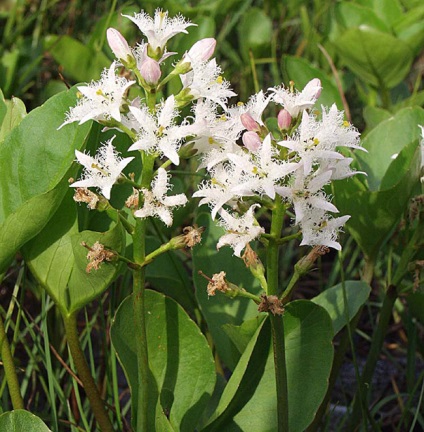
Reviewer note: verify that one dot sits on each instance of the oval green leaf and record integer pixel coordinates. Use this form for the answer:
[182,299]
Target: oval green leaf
[57,259]
[21,420]
[341,312]
[249,399]
[36,161]
[179,358]
[378,58]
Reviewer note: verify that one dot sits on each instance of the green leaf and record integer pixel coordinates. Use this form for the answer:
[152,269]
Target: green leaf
[387,139]
[410,28]
[249,399]
[16,111]
[388,10]
[332,300]
[242,334]
[378,58]
[373,116]
[376,213]
[255,33]
[351,15]
[3,108]
[80,62]
[301,72]
[57,259]
[220,310]
[21,420]
[179,358]
[36,161]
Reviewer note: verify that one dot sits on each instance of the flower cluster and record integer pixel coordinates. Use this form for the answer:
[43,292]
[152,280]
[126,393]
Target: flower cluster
[157,129]
[250,166]
[294,162]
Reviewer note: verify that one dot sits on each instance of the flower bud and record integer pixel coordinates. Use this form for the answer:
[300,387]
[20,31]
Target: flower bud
[315,86]
[118,45]
[249,122]
[202,50]
[251,141]
[150,71]
[284,119]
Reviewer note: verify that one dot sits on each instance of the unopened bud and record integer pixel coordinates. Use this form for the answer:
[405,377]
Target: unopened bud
[187,151]
[150,71]
[251,141]
[249,122]
[119,45]
[284,119]
[315,87]
[201,51]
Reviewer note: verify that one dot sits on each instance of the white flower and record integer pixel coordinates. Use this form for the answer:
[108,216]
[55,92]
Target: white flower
[307,195]
[161,28]
[156,202]
[213,131]
[263,168]
[101,100]
[316,142]
[220,189]
[295,102]
[321,230]
[158,132]
[241,230]
[205,81]
[103,170]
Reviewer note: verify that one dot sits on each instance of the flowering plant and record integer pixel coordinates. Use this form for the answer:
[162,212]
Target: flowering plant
[269,168]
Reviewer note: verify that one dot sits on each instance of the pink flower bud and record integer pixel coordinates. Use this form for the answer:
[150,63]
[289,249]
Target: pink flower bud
[202,50]
[118,44]
[251,141]
[284,119]
[315,86]
[150,71]
[249,122]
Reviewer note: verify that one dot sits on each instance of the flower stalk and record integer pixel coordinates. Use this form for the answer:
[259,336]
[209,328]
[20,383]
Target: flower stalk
[90,387]
[9,369]
[277,323]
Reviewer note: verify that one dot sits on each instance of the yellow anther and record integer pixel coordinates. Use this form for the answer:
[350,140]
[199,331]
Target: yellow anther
[79,95]
[220,80]
[240,103]
[316,141]
[211,140]
[160,130]
[346,123]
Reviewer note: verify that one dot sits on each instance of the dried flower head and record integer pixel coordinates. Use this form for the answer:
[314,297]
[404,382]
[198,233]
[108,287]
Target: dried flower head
[271,304]
[96,255]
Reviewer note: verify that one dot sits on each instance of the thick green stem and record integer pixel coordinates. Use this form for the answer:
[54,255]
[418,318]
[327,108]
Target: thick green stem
[139,276]
[277,325]
[90,387]
[9,370]
[376,345]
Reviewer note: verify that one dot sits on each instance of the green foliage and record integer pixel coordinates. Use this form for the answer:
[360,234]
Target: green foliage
[58,260]
[20,420]
[377,203]
[249,399]
[342,310]
[179,358]
[34,179]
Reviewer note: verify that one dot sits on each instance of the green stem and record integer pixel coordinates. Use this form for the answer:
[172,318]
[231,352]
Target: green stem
[376,345]
[139,276]
[90,387]
[277,324]
[9,370]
